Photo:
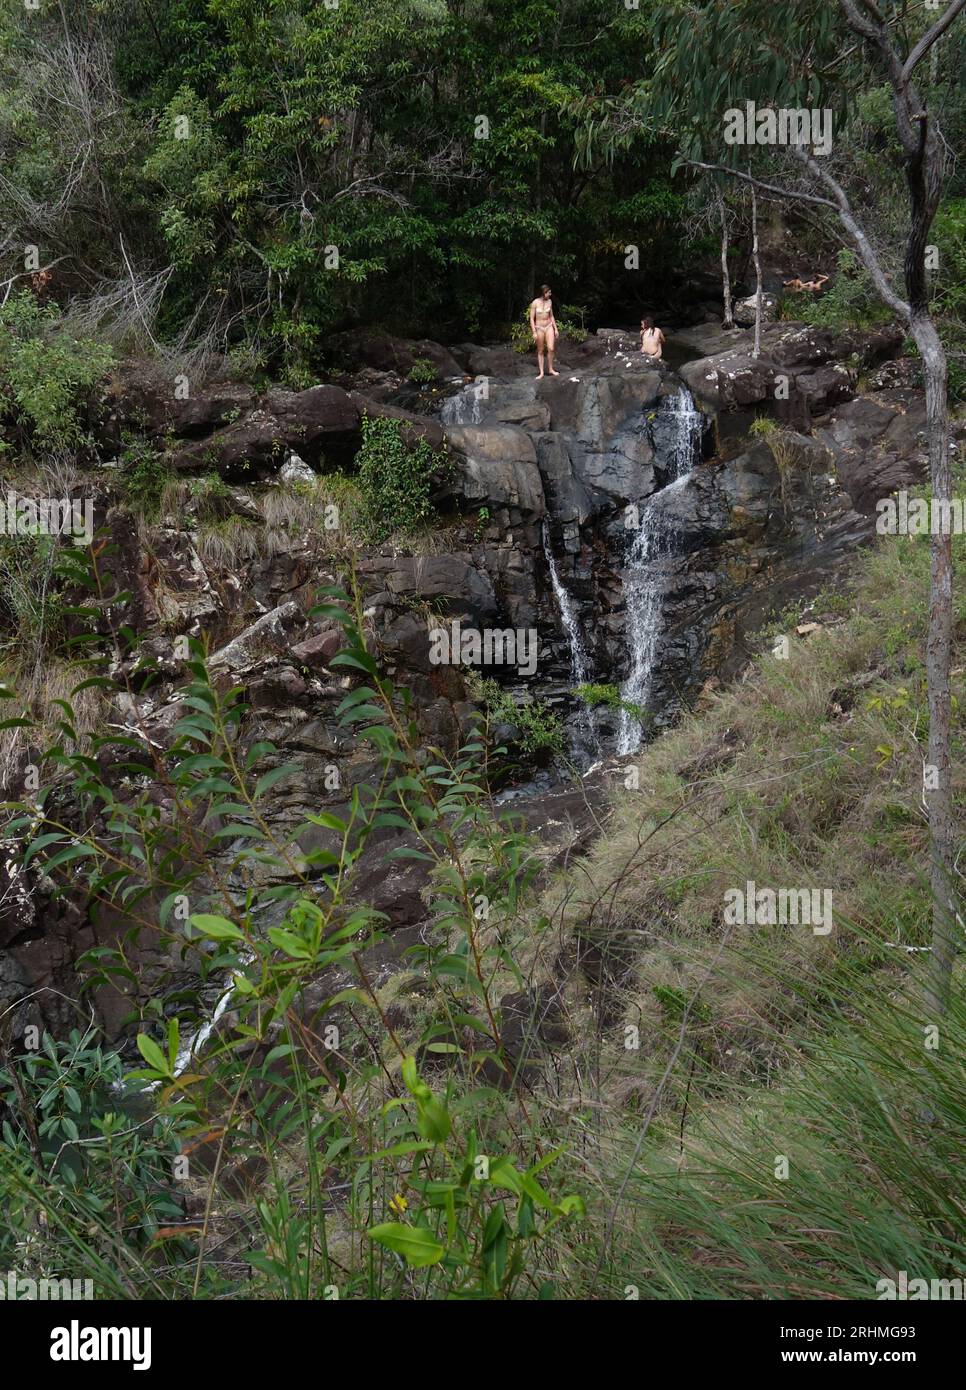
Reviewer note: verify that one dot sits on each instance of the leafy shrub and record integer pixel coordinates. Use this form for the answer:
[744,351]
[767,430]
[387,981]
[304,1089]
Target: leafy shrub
[61,1105]
[594,695]
[850,300]
[538,727]
[436,1178]
[397,475]
[144,476]
[32,603]
[422,372]
[45,371]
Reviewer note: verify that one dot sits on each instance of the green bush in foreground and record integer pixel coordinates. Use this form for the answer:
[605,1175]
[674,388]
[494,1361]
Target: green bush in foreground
[442,1185]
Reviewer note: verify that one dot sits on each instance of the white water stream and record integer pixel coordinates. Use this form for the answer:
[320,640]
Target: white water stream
[580,667]
[678,434]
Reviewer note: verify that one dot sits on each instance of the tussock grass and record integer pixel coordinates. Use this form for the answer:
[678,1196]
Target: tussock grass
[761,1041]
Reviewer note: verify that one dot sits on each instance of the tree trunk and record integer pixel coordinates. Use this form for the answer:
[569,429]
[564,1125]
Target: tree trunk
[937,783]
[725,275]
[756,350]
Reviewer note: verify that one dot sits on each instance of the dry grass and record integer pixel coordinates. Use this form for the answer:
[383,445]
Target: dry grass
[805,774]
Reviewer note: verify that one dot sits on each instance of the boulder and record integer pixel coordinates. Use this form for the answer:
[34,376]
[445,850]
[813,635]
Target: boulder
[250,449]
[566,496]
[744,310]
[383,352]
[142,398]
[307,418]
[317,652]
[417,427]
[879,444]
[296,470]
[450,585]
[733,377]
[496,468]
[285,421]
[270,634]
[610,405]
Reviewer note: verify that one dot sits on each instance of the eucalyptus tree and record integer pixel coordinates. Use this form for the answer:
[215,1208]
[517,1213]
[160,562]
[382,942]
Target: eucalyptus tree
[754,92]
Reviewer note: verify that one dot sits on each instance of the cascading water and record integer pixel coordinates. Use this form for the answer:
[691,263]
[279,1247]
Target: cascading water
[580,668]
[676,431]
[466,406]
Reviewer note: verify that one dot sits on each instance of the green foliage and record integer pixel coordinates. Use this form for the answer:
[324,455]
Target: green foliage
[144,475]
[34,575]
[850,300]
[422,372]
[398,474]
[206,491]
[949,290]
[537,727]
[441,1176]
[45,372]
[244,144]
[64,1110]
[594,695]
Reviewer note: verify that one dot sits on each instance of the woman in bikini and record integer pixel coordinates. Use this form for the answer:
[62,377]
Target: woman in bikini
[543,326]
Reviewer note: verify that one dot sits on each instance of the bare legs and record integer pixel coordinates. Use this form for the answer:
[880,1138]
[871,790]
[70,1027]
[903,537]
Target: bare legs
[546,341]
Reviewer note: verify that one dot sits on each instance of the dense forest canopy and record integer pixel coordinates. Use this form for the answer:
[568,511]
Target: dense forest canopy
[267,171]
[433,145]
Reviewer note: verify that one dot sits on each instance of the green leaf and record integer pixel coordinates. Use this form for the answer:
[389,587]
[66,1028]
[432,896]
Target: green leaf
[66,855]
[217,927]
[152,1054]
[328,821]
[288,942]
[419,1247]
[348,659]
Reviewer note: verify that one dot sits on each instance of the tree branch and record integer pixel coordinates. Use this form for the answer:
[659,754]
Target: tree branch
[857,233]
[929,38]
[765,187]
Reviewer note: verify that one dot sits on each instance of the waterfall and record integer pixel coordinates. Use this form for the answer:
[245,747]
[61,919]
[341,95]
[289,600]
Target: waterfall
[466,406]
[580,668]
[676,430]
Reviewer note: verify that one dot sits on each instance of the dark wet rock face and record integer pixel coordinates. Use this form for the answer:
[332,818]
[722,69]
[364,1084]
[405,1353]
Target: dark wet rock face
[546,486]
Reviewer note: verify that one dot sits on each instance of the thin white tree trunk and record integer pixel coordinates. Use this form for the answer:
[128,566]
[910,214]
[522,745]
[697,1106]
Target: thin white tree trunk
[937,780]
[725,273]
[756,350]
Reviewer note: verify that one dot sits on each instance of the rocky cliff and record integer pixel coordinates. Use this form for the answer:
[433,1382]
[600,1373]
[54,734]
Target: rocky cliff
[540,512]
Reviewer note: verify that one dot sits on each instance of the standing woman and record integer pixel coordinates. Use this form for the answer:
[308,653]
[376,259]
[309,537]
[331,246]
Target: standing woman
[543,326]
